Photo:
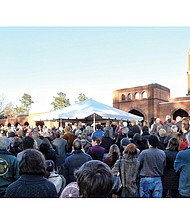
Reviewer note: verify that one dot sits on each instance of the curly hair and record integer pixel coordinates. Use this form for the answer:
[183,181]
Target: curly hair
[32,163]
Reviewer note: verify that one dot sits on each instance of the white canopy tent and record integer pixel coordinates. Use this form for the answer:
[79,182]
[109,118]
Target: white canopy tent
[88,110]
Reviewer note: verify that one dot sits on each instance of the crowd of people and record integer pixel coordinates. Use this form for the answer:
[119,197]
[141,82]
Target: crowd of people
[75,161]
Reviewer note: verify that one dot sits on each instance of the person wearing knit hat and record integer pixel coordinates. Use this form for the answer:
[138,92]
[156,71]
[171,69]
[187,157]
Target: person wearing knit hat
[70,191]
[123,143]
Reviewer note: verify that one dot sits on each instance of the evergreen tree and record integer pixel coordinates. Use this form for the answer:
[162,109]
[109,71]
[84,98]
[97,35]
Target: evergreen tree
[26,102]
[60,101]
[20,110]
[81,97]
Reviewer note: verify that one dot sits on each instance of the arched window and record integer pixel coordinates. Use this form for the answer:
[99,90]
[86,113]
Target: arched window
[137,95]
[129,97]
[123,97]
[144,95]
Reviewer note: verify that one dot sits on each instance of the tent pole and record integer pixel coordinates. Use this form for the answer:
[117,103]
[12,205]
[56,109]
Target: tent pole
[60,122]
[94,121]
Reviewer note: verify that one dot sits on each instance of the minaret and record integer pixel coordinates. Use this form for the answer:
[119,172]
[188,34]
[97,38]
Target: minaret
[188,73]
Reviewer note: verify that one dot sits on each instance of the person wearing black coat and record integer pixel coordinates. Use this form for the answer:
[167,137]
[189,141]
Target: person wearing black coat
[135,128]
[137,140]
[74,161]
[170,179]
[17,146]
[144,136]
[106,141]
[48,152]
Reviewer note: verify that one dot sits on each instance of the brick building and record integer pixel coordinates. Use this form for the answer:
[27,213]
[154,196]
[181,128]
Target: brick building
[153,100]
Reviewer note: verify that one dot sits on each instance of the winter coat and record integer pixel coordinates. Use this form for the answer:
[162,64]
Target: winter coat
[135,129]
[16,148]
[58,180]
[69,137]
[182,165]
[96,152]
[98,133]
[49,154]
[152,162]
[128,167]
[9,170]
[106,143]
[144,139]
[60,149]
[162,144]
[74,162]
[31,186]
[170,179]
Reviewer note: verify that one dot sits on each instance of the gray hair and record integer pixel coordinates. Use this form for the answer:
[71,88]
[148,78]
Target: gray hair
[4,143]
[174,128]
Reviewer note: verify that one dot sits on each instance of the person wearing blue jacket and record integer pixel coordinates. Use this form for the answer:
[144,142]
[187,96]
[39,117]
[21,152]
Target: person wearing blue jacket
[182,166]
[74,161]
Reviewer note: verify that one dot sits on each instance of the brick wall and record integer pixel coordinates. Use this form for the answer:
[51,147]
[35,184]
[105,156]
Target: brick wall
[153,101]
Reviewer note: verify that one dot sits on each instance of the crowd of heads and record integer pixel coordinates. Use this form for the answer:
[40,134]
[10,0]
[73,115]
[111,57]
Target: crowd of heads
[94,178]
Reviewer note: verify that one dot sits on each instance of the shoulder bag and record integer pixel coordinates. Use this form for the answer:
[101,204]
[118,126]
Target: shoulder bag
[117,186]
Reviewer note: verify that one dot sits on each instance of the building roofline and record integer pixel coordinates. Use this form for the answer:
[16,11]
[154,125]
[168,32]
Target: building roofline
[149,85]
[164,103]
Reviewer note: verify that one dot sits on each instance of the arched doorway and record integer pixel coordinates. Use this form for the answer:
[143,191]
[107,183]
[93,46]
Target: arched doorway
[136,112]
[180,112]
